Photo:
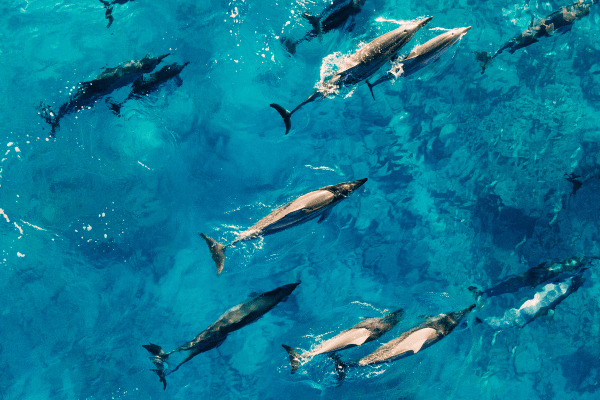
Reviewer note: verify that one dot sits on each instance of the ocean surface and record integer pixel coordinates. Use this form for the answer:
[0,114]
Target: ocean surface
[100,252]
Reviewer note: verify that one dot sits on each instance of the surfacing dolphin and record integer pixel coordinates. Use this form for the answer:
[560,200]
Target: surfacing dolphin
[146,85]
[305,208]
[416,339]
[235,318]
[335,15]
[543,273]
[364,332]
[421,56]
[360,65]
[108,81]
[560,21]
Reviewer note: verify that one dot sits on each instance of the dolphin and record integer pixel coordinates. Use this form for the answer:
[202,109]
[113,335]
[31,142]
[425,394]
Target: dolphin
[108,81]
[306,207]
[333,16]
[560,21]
[360,65]
[542,303]
[146,85]
[421,56]
[416,339]
[108,5]
[364,332]
[543,273]
[235,318]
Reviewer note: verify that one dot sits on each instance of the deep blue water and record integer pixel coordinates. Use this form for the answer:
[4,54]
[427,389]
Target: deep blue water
[99,224]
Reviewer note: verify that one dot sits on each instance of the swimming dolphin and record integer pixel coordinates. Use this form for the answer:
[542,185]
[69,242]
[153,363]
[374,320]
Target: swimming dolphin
[535,276]
[146,85]
[418,338]
[332,16]
[421,56]
[366,331]
[360,65]
[560,21]
[306,207]
[111,79]
[543,302]
[235,318]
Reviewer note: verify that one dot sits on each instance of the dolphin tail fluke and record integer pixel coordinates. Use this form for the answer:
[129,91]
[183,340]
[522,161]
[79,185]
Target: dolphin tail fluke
[370,88]
[340,367]
[217,250]
[476,292]
[50,117]
[114,106]
[158,359]
[285,114]
[294,357]
[315,21]
[484,59]
[289,44]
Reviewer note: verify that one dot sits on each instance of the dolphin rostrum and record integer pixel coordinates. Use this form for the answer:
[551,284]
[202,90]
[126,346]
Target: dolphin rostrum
[146,85]
[421,56]
[560,21]
[418,338]
[333,16]
[235,318]
[111,79]
[360,65]
[305,208]
[366,331]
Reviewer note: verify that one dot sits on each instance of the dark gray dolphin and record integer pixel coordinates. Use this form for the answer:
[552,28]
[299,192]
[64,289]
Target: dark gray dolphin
[421,56]
[111,79]
[535,276]
[146,85]
[333,16]
[364,332]
[109,8]
[414,340]
[305,208]
[545,300]
[360,65]
[235,318]
[560,21]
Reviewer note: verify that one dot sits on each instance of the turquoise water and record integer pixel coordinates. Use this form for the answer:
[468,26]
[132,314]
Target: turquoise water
[99,225]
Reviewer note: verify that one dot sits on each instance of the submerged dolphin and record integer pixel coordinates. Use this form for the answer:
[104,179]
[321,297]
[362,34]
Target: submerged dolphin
[418,338]
[306,207]
[105,83]
[360,65]
[543,302]
[366,331]
[146,85]
[235,318]
[560,21]
[421,56]
[535,276]
[108,5]
[333,16]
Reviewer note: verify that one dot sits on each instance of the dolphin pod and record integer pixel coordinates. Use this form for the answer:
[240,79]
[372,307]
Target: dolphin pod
[560,21]
[360,65]
[335,15]
[364,332]
[108,81]
[421,56]
[317,203]
[233,319]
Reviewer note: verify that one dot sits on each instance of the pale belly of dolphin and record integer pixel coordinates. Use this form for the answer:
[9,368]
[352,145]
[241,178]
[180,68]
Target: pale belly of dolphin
[352,337]
[412,343]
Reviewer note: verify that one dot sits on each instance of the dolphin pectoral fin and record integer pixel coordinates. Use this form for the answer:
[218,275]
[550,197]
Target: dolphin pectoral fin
[324,215]
[370,88]
[217,250]
[294,357]
[285,114]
